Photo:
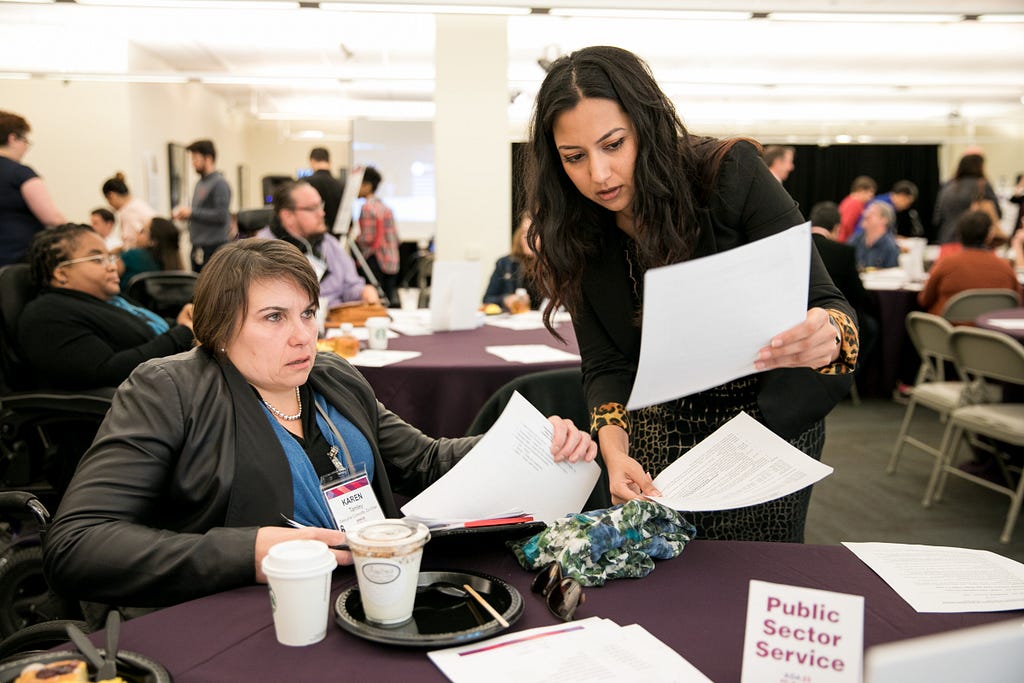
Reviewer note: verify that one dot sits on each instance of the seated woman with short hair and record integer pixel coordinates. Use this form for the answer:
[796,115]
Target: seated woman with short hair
[204,454]
[79,332]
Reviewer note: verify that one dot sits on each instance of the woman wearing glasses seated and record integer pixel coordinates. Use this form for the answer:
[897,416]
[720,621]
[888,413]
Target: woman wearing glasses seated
[204,455]
[79,332]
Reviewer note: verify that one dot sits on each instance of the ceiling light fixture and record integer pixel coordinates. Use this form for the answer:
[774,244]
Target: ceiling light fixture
[197,4]
[610,13]
[1001,18]
[117,78]
[867,17]
[413,8]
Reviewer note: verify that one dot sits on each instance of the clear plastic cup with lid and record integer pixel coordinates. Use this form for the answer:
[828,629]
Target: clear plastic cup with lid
[387,556]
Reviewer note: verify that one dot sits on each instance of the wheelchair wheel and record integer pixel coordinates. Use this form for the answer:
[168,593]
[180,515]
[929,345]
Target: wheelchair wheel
[23,589]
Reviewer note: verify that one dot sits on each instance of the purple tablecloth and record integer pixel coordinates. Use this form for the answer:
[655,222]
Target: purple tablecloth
[984,321]
[695,603]
[441,391]
[894,358]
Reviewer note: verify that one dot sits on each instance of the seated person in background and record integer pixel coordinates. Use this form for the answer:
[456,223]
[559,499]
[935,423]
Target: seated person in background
[133,214]
[102,222]
[841,263]
[299,220]
[862,191]
[204,454]
[511,272]
[158,248]
[900,199]
[975,267]
[876,247]
[80,333]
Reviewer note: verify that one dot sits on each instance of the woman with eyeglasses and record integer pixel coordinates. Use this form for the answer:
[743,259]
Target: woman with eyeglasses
[25,204]
[79,332]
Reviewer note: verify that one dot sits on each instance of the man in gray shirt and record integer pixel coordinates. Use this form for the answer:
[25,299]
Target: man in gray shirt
[209,217]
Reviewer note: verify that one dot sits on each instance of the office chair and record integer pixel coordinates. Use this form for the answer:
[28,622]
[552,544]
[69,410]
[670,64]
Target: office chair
[552,392]
[43,432]
[162,291]
[964,307]
[251,221]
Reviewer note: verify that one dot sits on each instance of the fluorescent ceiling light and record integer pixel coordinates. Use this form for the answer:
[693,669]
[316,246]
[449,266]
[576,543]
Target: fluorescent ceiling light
[117,78]
[33,2]
[289,81]
[421,9]
[196,4]
[15,76]
[867,17]
[695,15]
[1001,18]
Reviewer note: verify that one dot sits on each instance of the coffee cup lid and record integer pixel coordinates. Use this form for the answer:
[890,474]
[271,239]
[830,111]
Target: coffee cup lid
[377,320]
[388,533]
[304,556]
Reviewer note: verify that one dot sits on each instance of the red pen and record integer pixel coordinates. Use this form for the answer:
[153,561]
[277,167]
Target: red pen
[497,521]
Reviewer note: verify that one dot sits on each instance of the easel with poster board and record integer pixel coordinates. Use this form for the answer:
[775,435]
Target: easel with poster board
[343,221]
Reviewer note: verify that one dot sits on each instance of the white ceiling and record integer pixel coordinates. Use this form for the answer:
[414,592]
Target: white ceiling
[314,65]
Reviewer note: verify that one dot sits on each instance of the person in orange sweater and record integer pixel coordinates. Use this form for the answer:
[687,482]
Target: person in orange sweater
[973,268]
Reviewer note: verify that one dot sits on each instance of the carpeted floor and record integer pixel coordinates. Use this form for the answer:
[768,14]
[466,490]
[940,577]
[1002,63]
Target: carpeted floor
[860,502]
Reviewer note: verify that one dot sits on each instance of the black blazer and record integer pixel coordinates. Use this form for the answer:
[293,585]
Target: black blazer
[748,203]
[841,263]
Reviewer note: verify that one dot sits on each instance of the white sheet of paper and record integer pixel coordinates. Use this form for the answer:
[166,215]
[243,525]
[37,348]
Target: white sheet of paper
[378,358]
[454,297]
[1007,323]
[583,651]
[360,333]
[934,578]
[741,463]
[412,323]
[530,320]
[705,320]
[509,469]
[531,353]
[802,634]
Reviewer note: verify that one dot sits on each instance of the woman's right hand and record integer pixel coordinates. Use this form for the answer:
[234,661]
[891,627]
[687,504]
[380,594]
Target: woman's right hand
[626,477]
[268,536]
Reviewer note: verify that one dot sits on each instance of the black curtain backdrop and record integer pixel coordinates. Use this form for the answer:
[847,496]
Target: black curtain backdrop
[825,174]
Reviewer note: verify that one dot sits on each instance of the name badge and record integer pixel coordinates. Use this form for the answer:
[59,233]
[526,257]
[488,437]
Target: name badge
[319,265]
[352,501]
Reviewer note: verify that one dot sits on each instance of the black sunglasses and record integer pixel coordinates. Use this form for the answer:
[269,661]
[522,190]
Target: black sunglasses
[563,594]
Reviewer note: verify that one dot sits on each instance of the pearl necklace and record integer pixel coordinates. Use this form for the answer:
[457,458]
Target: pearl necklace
[287,418]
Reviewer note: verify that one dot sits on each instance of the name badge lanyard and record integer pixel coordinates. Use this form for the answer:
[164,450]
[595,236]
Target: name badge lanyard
[348,493]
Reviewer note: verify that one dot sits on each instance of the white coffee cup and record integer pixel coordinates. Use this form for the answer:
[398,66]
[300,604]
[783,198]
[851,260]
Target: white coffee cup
[377,329]
[409,298]
[299,574]
[387,557]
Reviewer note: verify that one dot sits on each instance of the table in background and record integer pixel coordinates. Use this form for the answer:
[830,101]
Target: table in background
[695,603]
[894,358]
[984,321]
[440,391]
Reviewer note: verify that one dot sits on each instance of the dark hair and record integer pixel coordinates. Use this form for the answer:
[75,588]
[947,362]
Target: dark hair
[673,173]
[970,166]
[115,185]
[825,215]
[320,154]
[863,182]
[773,153]
[11,123]
[50,247]
[905,187]
[973,228]
[222,290]
[105,214]
[284,195]
[203,147]
[166,241]
[372,176]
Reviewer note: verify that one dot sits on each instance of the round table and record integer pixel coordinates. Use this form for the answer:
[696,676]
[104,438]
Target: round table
[1014,325]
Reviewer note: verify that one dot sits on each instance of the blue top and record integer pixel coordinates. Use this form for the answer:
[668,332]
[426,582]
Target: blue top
[136,261]
[882,254]
[155,322]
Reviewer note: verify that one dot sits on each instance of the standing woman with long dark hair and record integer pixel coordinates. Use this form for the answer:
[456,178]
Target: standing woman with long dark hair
[619,186]
[25,204]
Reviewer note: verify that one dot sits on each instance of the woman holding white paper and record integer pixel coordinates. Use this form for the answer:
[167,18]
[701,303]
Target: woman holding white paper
[205,455]
[620,186]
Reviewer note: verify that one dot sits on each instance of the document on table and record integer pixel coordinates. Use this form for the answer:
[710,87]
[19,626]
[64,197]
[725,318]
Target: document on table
[378,358]
[584,651]
[509,471]
[1007,323]
[943,579]
[531,353]
[705,320]
[742,463]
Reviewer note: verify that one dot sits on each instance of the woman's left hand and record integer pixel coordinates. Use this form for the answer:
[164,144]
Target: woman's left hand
[569,443]
[811,344]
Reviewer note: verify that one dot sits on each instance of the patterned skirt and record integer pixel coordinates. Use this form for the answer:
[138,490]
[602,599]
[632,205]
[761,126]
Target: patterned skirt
[662,434]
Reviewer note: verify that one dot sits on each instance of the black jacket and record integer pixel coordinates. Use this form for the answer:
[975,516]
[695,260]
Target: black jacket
[186,467]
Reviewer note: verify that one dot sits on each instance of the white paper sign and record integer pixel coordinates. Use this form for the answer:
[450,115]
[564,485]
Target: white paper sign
[454,295]
[802,635]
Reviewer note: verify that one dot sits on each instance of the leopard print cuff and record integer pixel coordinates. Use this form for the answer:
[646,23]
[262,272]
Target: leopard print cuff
[608,414]
[849,345]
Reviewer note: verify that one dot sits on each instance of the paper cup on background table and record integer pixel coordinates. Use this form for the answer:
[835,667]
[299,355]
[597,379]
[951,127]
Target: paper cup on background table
[299,574]
[409,298]
[377,329]
[387,557]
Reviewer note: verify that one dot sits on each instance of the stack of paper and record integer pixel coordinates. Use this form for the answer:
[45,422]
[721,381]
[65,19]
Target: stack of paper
[510,471]
[588,650]
[531,353]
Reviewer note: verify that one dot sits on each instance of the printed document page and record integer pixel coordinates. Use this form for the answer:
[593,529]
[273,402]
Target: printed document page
[742,463]
[584,651]
[934,578]
[510,470]
[705,320]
